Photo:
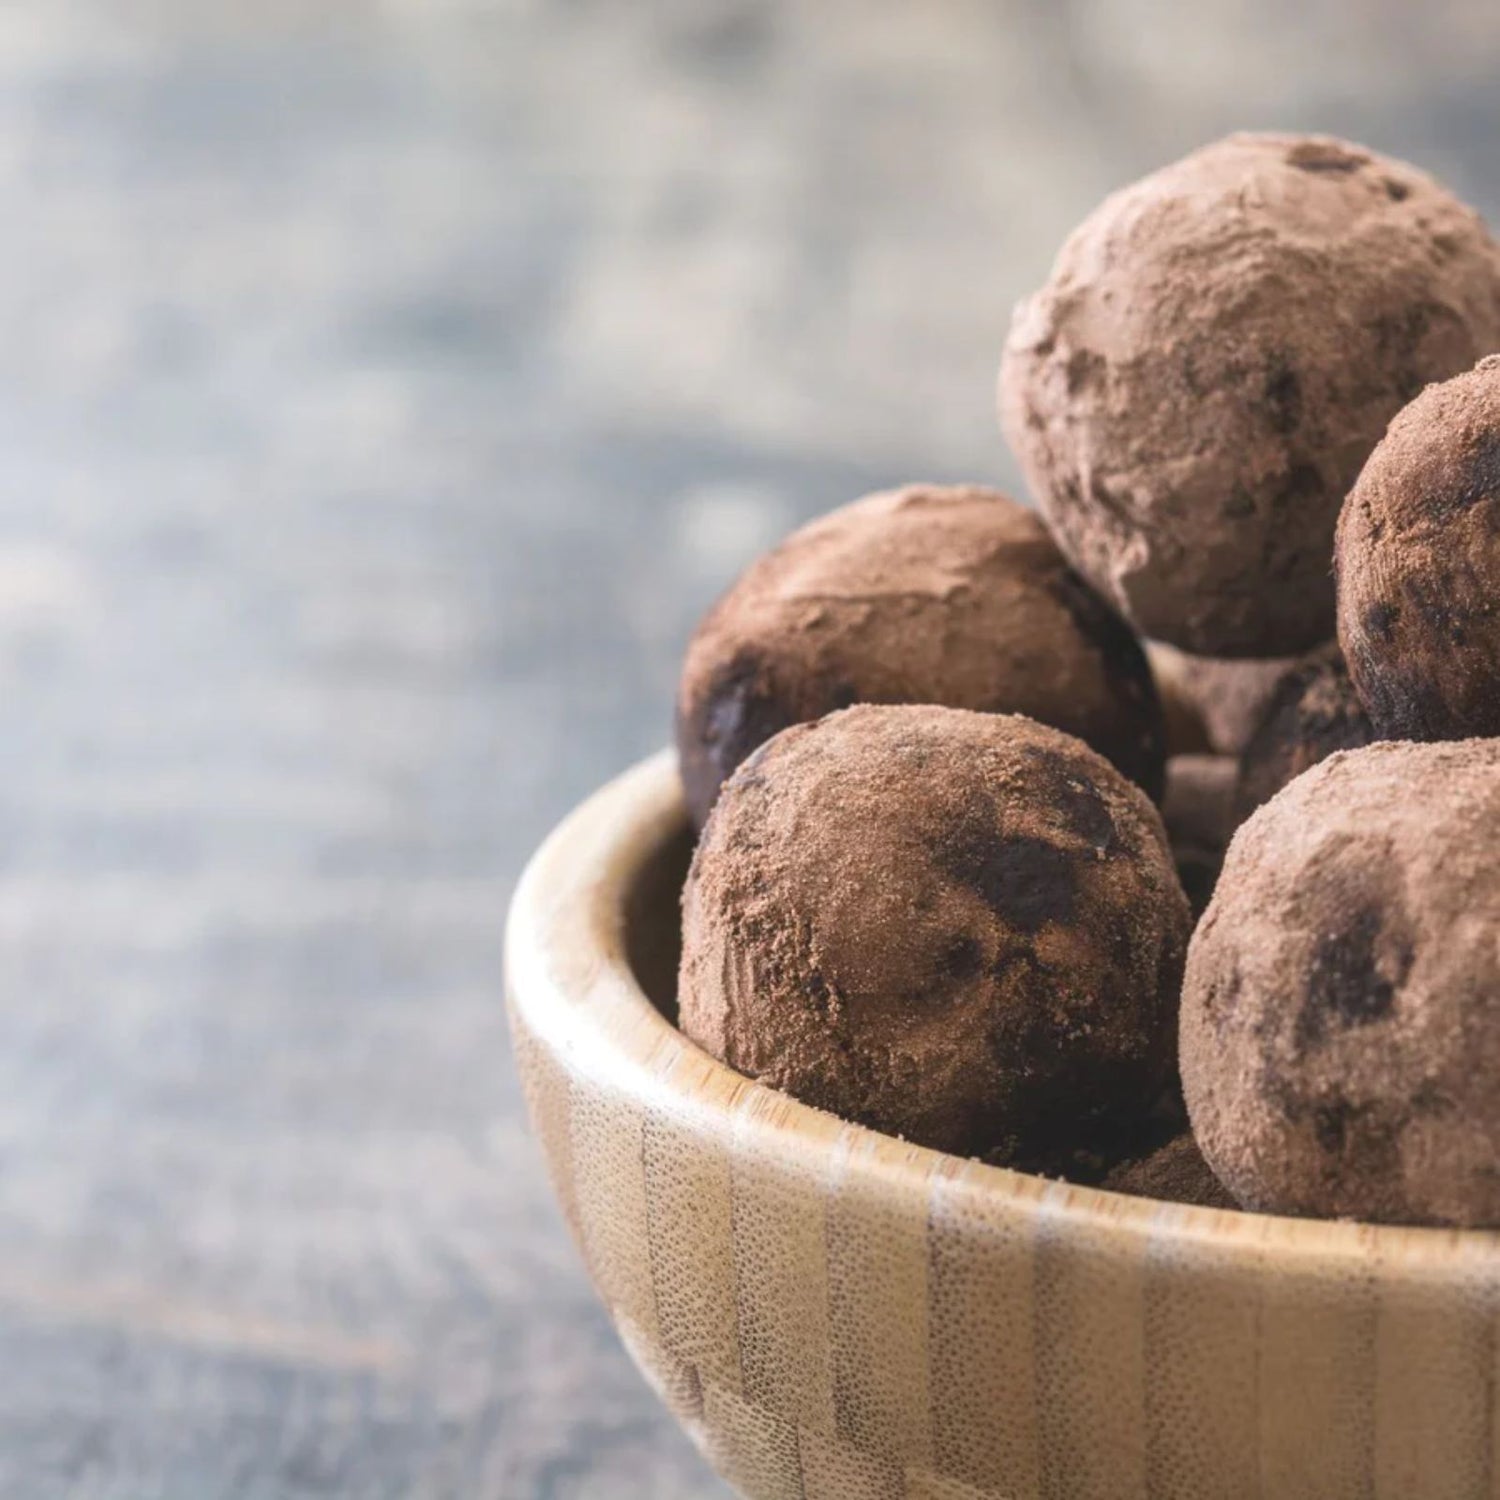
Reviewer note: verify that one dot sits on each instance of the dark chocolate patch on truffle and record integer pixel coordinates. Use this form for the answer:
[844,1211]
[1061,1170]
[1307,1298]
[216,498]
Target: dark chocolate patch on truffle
[1283,396]
[1313,712]
[1302,485]
[1025,881]
[1345,987]
[962,959]
[1379,620]
[1072,792]
[1086,814]
[816,989]
[1331,1125]
[1106,499]
[1018,958]
[1366,1138]
[1429,1099]
[1222,1001]
[1402,712]
[1192,381]
[1478,480]
[1399,337]
[1434,608]
[1324,156]
[741,710]
[1396,191]
[1240,505]
[1083,368]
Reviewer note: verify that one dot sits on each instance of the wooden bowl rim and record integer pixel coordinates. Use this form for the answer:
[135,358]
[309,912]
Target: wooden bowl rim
[569,979]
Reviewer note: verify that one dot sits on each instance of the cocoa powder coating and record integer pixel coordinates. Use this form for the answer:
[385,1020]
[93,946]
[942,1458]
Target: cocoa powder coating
[1198,811]
[959,928]
[1174,1173]
[1228,696]
[1187,731]
[1216,352]
[1313,712]
[949,595]
[1418,566]
[1340,1039]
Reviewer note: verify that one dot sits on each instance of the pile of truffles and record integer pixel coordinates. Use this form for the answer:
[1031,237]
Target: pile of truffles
[1148,839]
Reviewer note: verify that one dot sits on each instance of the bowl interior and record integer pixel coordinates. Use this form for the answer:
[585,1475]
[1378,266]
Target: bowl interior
[592,954]
[833,1311]
[653,927]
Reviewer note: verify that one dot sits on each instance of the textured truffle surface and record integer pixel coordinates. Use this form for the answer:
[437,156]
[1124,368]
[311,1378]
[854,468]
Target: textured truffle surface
[1198,810]
[1229,696]
[950,595]
[960,928]
[1313,712]
[1175,1173]
[1418,566]
[1340,1038]
[1218,349]
[1187,730]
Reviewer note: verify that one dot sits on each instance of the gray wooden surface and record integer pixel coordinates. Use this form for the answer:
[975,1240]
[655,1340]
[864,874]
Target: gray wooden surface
[383,391]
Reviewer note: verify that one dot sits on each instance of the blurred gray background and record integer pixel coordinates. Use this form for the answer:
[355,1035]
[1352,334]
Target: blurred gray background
[384,390]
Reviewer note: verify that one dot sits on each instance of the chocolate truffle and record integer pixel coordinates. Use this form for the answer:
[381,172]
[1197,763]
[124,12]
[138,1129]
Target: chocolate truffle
[940,595]
[1218,349]
[1199,814]
[959,928]
[1174,1173]
[1187,732]
[1418,566]
[1340,1039]
[1229,696]
[1313,712]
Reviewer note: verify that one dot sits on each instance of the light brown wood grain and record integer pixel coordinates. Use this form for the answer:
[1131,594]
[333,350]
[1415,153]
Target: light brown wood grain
[838,1315]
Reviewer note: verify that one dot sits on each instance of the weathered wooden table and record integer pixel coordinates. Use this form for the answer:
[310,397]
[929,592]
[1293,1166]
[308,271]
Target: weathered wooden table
[385,390]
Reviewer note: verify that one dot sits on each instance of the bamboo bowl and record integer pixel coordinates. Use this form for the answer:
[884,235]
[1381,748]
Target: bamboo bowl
[834,1314]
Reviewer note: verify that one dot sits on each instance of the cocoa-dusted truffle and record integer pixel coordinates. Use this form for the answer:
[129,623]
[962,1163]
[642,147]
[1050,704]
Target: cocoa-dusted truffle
[1174,1173]
[1418,566]
[1228,696]
[924,595]
[1218,349]
[1313,712]
[1340,1039]
[959,928]
[1187,731]
[1199,813]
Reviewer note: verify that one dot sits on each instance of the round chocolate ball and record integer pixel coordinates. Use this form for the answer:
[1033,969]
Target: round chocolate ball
[1418,566]
[1218,349]
[1228,696]
[1174,1173]
[959,928]
[1187,730]
[929,594]
[1313,712]
[1340,1039]
[1198,812]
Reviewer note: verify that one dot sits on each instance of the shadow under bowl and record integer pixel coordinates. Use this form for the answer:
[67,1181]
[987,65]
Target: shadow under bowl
[833,1313]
